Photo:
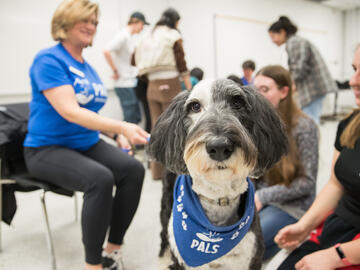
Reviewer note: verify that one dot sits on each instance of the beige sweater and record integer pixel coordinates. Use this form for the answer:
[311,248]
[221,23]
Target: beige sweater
[155,51]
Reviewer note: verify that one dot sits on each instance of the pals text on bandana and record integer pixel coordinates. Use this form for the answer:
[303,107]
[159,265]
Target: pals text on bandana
[198,241]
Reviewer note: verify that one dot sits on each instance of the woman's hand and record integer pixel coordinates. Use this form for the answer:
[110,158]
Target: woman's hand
[135,134]
[123,143]
[326,259]
[258,204]
[291,236]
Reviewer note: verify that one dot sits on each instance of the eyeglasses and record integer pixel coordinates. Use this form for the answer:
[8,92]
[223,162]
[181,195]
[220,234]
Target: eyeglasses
[93,22]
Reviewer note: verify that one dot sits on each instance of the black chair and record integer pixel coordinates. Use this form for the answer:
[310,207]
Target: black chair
[335,115]
[13,172]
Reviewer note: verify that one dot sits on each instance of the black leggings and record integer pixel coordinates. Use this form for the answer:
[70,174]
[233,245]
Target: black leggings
[93,172]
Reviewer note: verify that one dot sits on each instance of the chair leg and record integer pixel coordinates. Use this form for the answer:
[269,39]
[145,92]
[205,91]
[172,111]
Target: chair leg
[335,104]
[76,207]
[145,159]
[48,231]
[0,215]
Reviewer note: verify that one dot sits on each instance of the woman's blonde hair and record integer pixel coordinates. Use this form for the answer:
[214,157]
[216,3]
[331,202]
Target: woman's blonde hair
[352,131]
[290,165]
[70,12]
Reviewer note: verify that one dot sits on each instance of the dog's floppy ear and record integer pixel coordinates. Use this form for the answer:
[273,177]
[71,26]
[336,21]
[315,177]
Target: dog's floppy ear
[168,136]
[269,133]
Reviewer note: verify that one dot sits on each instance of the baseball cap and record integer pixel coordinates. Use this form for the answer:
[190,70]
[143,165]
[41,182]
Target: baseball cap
[140,16]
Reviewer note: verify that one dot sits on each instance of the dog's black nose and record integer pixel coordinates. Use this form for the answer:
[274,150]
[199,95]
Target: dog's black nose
[219,149]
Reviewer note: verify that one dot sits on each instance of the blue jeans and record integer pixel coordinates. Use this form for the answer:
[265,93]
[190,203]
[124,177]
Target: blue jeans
[129,104]
[313,109]
[272,219]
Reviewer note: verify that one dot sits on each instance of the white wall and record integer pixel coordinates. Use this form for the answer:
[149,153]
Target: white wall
[198,33]
[25,29]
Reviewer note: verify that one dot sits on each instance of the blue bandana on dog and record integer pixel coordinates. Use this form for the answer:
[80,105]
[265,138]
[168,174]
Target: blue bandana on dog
[198,241]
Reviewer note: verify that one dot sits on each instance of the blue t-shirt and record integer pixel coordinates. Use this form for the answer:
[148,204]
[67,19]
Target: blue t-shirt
[55,67]
[245,81]
[193,81]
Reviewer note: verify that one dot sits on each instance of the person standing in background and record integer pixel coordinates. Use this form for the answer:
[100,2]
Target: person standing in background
[118,55]
[160,56]
[308,69]
[248,70]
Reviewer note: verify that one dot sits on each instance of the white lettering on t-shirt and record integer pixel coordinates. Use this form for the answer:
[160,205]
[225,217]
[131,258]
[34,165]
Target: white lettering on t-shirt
[76,71]
[99,89]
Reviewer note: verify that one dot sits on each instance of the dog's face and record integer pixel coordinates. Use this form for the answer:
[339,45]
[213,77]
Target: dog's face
[218,130]
[217,146]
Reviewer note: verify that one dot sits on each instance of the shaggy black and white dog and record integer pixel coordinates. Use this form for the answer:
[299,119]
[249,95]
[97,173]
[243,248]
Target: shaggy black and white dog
[219,134]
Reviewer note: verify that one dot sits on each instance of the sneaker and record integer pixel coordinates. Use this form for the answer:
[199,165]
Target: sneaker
[112,261]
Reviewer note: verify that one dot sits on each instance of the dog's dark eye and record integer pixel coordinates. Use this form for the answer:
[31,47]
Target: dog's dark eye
[237,102]
[195,107]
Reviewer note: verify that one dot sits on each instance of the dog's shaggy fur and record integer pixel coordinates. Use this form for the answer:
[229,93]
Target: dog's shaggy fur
[219,133]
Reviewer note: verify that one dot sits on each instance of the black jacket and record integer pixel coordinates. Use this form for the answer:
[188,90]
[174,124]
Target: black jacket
[13,128]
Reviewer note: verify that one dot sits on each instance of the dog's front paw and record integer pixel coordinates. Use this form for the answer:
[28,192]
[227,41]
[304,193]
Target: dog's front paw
[176,266]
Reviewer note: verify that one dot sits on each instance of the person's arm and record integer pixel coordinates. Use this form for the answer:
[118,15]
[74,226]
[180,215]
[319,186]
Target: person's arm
[63,100]
[351,251]
[187,81]
[110,61]
[115,45]
[326,201]
[303,184]
[298,53]
[330,259]
[181,63]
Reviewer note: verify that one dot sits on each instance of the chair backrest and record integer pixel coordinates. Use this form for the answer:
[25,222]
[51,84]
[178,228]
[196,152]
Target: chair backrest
[13,128]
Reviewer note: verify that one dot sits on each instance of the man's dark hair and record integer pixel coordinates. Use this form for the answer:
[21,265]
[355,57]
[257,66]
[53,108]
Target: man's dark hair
[249,64]
[198,73]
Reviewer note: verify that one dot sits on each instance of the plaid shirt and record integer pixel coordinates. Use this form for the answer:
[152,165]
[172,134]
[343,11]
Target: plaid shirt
[308,69]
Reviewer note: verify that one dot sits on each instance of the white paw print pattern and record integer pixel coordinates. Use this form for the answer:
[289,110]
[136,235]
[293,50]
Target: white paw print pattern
[179,199]
[242,224]
[184,225]
[180,207]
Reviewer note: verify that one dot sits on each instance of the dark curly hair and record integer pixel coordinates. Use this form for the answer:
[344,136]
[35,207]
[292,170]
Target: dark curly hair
[283,23]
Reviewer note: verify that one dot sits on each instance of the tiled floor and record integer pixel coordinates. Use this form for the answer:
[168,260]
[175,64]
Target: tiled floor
[24,243]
